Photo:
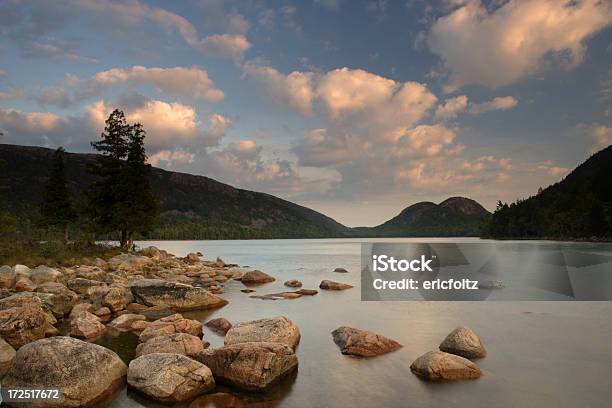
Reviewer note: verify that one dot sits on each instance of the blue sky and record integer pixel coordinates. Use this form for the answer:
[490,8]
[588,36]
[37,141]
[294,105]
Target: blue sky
[353,108]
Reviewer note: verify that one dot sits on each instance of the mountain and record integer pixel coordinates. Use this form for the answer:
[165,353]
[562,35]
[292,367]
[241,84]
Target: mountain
[455,216]
[193,207]
[198,207]
[577,207]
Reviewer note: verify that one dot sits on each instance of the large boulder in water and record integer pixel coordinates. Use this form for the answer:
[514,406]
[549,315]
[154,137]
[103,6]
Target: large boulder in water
[273,330]
[439,366]
[178,296]
[169,378]
[170,325]
[178,343]
[256,277]
[331,285]
[363,343]
[463,342]
[250,366]
[22,325]
[84,373]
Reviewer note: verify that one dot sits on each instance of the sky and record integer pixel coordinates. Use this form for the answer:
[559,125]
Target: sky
[355,108]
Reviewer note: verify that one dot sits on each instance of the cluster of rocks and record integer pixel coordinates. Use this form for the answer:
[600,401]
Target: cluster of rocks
[145,294]
[452,361]
[129,292]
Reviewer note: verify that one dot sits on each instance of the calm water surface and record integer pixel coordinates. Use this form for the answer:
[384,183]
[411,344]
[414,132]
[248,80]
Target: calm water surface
[541,354]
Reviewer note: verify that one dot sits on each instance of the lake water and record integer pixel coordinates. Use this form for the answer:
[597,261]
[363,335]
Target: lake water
[540,354]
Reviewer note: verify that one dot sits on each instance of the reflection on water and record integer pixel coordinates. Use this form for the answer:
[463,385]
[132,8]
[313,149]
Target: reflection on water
[540,354]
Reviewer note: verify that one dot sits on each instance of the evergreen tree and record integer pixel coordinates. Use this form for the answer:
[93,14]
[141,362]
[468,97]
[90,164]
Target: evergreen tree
[122,199]
[56,210]
[104,194]
[139,208]
[7,221]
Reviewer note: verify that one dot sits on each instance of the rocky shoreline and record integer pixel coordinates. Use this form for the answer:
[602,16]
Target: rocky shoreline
[145,293]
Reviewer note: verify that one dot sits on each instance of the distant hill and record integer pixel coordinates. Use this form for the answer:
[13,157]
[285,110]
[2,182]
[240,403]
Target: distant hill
[193,207]
[198,207]
[455,216]
[577,207]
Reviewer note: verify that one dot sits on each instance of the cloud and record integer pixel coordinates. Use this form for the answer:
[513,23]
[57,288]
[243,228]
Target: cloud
[293,90]
[606,87]
[232,45]
[29,123]
[237,24]
[32,27]
[550,168]
[167,124]
[600,135]
[12,94]
[517,39]
[191,82]
[227,45]
[54,95]
[170,158]
[246,149]
[498,103]
[452,107]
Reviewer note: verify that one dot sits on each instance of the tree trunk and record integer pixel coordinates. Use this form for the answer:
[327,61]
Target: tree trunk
[66,234]
[123,239]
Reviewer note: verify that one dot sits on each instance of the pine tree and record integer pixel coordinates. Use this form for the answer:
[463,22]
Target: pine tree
[122,199]
[56,209]
[104,195]
[139,207]
[7,221]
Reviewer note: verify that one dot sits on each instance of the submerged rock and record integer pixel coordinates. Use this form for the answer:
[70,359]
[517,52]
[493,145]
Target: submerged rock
[169,377]
[250,366]
[363,343]
[331,285]
[307,292]
[84,372]
[273,330]
[340,270]
[178,343]
[277,296]
[438,366]
[293,283]
[247,290]
[170,325]
[491,284]
[463,342]
[178,296]
[219,325]
[256,277]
